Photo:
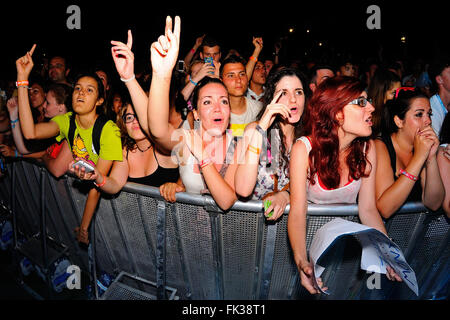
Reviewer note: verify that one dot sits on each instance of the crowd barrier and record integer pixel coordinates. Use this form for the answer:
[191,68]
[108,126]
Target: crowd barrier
[192,250]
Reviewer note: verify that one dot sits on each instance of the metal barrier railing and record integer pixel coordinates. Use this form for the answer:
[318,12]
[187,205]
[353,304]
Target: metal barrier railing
[192,250]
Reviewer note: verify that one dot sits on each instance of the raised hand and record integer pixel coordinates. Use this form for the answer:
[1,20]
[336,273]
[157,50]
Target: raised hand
[123,57]
[25,64]
[205,70]
[199,41]
[13,106]
[258,43]
[272,110]
[164,52]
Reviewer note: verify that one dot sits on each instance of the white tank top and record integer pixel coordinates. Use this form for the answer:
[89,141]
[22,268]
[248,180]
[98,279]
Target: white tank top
[318,194]
[192,179]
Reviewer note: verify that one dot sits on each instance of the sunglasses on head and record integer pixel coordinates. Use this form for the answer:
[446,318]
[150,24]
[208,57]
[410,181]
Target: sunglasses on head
[403,89]
[361,101]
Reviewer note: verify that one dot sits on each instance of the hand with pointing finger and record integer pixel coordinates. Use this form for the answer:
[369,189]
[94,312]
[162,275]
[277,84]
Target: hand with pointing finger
[272,110]
[25,64]
[123,57]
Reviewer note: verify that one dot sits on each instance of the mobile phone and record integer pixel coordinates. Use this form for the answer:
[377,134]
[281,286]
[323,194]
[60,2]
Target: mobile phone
[180,66]
[210,61]
[84,164]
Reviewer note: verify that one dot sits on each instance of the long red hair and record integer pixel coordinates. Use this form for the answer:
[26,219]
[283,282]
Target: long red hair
[328,100]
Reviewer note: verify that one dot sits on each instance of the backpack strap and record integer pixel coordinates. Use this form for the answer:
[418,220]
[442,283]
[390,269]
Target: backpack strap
[72,127]
[96,131]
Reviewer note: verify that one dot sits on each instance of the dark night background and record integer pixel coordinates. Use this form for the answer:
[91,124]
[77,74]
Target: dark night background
[339,25]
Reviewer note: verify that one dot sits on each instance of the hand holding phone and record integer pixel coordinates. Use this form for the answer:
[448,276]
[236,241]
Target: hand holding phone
[83,164]
[210,61]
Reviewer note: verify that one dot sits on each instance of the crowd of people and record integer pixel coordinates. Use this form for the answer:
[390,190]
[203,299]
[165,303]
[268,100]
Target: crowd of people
[240,128]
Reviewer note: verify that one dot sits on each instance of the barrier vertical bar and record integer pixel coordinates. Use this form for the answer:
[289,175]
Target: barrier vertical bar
[161,251]
[217,246]
[268,261]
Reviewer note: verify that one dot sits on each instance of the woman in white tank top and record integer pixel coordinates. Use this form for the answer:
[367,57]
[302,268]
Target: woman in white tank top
[206,156]
[335,163]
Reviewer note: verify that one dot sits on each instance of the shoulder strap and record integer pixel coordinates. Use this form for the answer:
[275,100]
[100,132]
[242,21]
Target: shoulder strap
[72,127]
[97,132]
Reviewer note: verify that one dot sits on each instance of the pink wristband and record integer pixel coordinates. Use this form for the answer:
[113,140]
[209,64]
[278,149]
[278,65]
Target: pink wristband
[408,175]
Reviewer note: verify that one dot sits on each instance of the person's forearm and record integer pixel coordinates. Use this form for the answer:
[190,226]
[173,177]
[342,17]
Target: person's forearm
[187,90]
[190,55]
[221,192]
[433,193]
[17,134]
[158,106]
[140,102]
[296,228]
[247,170]
[250,66]
[395,196]
[89,208]
[25,116]
[372,219]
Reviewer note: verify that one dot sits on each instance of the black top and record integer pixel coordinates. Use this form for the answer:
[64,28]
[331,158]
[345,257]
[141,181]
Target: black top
[160,176]
[416,192]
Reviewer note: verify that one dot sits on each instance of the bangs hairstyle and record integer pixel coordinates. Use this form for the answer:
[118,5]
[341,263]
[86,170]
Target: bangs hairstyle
[100,88]
[127,142]
[201,84]
[399,106]
[330,98]
[269,92]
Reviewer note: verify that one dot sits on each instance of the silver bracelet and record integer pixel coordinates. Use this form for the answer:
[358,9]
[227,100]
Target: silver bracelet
[128,80]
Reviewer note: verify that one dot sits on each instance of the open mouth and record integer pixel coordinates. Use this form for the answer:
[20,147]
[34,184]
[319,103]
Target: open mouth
[369,121]
[218,120]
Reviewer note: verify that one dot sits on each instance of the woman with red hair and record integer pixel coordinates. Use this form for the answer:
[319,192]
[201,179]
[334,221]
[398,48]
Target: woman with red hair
[335,163]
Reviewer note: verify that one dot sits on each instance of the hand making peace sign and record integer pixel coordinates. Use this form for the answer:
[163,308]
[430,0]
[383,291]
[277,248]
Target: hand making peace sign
[164,52]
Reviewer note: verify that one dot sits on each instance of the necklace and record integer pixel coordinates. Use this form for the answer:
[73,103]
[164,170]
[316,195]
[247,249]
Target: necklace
[145,149]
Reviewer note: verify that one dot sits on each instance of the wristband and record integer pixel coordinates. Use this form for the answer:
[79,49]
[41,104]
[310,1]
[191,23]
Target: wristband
[101,184]
[253,58]
[254,149]
[13,123]
[408,175]
[192,81]
[205,163]
[128,80]
[22,83]
[193,50]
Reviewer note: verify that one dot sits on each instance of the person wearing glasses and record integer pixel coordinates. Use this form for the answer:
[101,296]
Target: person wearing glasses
[334,163]
[407,168]
[143,162]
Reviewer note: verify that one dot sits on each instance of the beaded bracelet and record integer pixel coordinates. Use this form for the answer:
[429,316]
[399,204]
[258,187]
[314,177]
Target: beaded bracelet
[13,123]
[192,81]
[408,175]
